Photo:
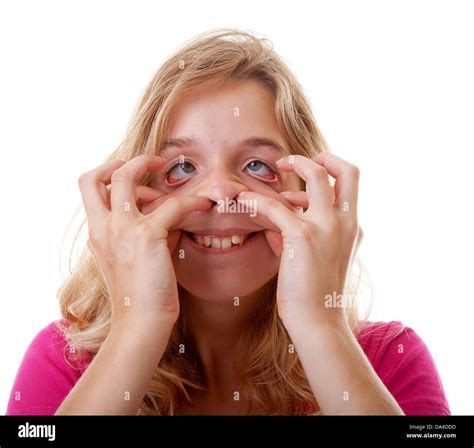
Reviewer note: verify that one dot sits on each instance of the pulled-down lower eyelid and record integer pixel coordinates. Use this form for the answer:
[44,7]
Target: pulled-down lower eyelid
[263,179]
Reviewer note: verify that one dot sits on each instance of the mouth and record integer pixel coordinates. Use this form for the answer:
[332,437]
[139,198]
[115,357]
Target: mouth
[212,243]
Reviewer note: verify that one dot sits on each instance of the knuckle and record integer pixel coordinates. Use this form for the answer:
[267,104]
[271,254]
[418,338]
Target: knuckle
[144,158]
[145,231]
[115,232]
[331,227]
[355,171]
[273,204]
[304,231]
[95,239]
[83,180]
[119,175]
[319,172]
[352,227]
[172,203]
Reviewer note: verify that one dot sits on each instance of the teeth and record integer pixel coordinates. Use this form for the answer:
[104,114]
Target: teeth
[215,243]
[236,239]
[226,243]
[219,242]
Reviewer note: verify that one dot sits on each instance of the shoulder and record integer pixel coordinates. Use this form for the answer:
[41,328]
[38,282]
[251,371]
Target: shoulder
[51,344]
[390,341]
[376,338]
[404,363]
[46,374]
[50,339]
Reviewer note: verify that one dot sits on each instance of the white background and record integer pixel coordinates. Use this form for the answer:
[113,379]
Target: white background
[391,84]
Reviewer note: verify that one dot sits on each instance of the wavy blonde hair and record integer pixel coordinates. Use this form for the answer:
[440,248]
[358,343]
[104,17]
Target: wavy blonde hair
[272,377]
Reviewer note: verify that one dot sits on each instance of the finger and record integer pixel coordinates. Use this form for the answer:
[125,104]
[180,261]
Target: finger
[275,242]
[347,180]
[261,220]
[317,182]
[148,199]
[360,237]
[167,215]
[297,198]
[123,190]
[94,191]
[173,238]
[280,216]
[145,194]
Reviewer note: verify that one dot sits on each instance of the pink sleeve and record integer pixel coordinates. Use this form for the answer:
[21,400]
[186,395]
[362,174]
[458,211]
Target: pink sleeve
[404,364]
[45,376]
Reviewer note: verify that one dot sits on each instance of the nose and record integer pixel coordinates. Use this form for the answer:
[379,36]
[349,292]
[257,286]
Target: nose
[220,184]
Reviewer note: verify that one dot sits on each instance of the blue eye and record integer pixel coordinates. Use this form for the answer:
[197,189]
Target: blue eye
[179,172]
[261,169]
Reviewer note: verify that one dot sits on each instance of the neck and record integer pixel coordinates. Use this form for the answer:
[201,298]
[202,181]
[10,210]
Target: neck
[216,327]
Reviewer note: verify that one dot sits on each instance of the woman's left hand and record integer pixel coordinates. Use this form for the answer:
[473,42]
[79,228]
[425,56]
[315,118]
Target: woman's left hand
[318,245]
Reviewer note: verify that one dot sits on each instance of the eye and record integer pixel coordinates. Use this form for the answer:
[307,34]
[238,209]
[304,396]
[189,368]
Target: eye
[261,169]
[179,172]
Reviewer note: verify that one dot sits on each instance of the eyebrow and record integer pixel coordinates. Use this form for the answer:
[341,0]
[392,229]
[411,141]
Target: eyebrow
[252,142]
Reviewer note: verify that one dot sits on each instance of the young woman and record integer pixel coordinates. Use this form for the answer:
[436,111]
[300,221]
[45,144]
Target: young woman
[218,275]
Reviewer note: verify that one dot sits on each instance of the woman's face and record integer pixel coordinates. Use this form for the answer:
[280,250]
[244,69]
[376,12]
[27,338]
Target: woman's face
[216,148]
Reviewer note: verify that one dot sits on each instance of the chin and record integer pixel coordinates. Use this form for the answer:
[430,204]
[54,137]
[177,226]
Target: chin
[220,288]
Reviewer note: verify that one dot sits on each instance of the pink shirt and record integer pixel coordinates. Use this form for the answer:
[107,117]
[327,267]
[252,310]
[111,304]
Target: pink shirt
[401,360]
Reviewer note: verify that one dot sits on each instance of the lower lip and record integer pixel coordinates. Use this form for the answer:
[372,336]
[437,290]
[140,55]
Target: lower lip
[235,247]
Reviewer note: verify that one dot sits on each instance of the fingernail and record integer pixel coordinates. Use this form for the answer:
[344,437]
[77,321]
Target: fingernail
[242,193]
[280,160]
[286,194]
[298,210]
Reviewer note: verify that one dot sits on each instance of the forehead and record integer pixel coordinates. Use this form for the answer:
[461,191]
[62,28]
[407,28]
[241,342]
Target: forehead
[225,111]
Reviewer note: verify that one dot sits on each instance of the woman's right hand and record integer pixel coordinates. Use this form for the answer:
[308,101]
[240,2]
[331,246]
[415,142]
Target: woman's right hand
[130,248]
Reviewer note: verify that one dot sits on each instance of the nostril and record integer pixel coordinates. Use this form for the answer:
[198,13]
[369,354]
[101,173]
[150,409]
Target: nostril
[213,203]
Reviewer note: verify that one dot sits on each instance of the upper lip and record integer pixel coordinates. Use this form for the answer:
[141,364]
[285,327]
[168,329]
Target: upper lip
[222,232]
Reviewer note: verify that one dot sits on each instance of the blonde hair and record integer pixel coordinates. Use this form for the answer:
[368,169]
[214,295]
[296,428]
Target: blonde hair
[272,377]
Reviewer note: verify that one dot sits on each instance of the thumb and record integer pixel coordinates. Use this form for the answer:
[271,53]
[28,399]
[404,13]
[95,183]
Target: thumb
[146,197]
[173,238]
[275,242]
